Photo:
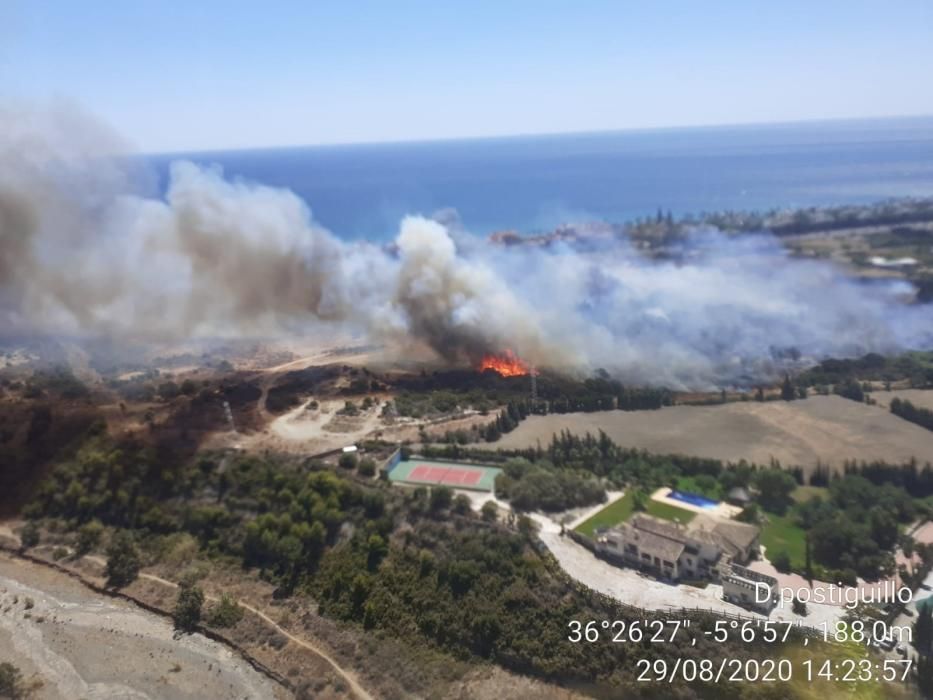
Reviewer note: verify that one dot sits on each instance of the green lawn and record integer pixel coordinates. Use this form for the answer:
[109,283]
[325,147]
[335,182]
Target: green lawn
[613,514]
[621,510]
[781,534]
[662,510]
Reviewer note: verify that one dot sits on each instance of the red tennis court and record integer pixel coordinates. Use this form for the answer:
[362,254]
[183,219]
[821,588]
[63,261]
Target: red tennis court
[458,475]
[455,476]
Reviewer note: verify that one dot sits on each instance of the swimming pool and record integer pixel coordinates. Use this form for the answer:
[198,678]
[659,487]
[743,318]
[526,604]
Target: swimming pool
[693,499]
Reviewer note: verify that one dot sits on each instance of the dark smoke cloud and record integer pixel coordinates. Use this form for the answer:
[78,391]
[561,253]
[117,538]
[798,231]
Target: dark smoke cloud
[83,249]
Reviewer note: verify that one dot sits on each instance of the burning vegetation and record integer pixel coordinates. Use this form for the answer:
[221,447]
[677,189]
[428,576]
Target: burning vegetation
[507,364]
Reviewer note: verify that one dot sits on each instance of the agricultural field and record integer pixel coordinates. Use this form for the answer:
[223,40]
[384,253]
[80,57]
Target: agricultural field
[826,429]
[921,398]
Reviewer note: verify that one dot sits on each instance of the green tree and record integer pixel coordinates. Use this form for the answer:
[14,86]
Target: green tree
[376,550]
[851,389]
[788,393]
[781,561]
[639,500]
[526,525]
[187,613]
[461,504]
[441,498]
[367,467]
[908,546]
[29,535]
[122,560]
[489,511]
[89,536]
[923,629]
[775,487]
[347,460]
[485,630]
[808,554]
[884,529]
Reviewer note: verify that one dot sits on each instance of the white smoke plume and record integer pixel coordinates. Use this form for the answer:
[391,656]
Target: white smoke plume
[85,248]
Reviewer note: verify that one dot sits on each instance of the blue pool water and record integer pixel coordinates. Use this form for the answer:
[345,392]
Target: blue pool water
[693,499]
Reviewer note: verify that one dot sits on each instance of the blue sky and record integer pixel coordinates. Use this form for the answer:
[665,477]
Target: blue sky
[207,74]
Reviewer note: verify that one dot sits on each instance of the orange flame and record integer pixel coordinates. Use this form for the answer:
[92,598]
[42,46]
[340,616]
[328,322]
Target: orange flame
[506,364]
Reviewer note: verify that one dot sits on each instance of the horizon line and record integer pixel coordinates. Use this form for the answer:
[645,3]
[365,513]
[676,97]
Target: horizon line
[542,134]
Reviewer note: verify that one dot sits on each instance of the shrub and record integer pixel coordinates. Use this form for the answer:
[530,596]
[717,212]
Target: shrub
[367,467]
[349,409]
[749,514]
[847,577]
[781,562]
[11,681]
[461,504]
[347,460]
[441,498]
[122,560]
[187,613]
[489,511]
[226,613]
[29,535]
[89,536]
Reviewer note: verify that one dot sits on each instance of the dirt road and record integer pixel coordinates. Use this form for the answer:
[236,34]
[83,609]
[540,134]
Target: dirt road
[83,645]
[347,675]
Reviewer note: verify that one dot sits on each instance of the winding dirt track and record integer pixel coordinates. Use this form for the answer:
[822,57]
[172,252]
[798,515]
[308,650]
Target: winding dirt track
[73,642]
[348,676]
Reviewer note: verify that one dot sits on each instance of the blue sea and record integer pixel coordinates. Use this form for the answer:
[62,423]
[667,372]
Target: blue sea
[534,183]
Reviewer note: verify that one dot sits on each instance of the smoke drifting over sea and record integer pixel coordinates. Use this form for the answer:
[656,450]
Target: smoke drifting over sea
[86,249]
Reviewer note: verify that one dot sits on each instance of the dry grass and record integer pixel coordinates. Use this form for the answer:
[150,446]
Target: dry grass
[828,429]
[921,398]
